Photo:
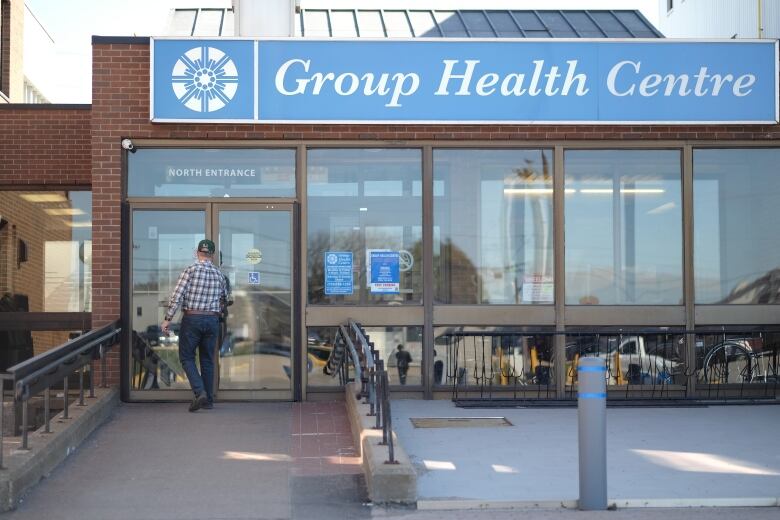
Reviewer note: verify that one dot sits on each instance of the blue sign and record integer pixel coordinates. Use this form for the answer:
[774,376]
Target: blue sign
[457,81]
[207,80]
[254,278]
[385,272]
[338,272]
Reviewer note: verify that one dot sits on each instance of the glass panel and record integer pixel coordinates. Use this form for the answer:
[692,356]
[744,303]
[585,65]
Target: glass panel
[209,22]
[255,251]
[493,240]
[450,24]
[528,21]
[343,24]
[46,251]
[424,25]
[492,356]
[505,26]
[635,24]
[182,22]
[370,23]
[359,202]
[748,357]
[584,24]
[610,24]
[397,24]
[477,24]
[617,203]
[315,23]
[183,172]
[163,245]
[736,250]
[557,25]
[403,366]
[646,359]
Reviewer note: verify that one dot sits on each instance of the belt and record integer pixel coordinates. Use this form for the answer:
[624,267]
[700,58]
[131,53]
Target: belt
[204,313]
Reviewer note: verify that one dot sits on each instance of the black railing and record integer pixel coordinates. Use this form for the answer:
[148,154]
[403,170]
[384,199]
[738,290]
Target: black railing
[726,364]
[38,374]
[353,348]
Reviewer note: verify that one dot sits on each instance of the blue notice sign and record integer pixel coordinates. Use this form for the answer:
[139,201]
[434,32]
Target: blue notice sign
[338,272]
[385,272]
[254,278]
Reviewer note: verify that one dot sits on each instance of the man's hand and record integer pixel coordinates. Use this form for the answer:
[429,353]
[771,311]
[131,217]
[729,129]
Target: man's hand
[164,327]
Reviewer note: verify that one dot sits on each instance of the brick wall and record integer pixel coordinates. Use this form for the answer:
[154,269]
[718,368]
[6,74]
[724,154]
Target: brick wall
[12,84]
[45,145]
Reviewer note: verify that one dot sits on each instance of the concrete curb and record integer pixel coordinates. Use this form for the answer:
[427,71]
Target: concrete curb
[387,483]
[25,468]
[618,503]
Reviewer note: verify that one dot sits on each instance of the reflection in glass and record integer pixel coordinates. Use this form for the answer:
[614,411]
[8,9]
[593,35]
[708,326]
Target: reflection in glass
[645,359]
[164,244]
[200,172]
[45,263]
[623,227]
[255,254]
[493,240]
[363,200]
[386,340]
[492,357]
[736,250]
[749,357]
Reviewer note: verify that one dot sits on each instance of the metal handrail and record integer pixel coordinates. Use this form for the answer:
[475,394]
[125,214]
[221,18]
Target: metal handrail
[375,387]
[40,372]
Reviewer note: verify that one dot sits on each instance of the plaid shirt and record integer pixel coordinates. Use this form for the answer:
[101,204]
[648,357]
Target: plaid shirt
[201,287]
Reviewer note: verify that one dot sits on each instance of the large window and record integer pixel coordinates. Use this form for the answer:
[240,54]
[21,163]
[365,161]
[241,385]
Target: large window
[623,227]
[736,247]
[364,226]
[45,264]
[493,232]
[187,172]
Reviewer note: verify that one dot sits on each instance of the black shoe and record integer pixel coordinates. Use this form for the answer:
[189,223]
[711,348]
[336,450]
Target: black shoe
[198,402]
[208,406]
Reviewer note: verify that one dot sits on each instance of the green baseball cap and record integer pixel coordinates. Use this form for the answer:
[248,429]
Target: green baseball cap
[206,246]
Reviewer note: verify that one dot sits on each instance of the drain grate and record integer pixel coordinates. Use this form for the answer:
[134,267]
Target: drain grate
[459,422]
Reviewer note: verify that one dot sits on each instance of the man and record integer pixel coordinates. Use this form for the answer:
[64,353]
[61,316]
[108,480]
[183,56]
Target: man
[403,359]
[200,291]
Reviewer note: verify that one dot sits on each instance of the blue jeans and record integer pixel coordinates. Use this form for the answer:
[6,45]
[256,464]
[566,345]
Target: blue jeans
[199,334]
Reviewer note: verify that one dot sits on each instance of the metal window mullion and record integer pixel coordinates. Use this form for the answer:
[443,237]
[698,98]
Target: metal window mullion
[382,21]
[689,294]
[436,22]
[565,19]
[599,27]
[195,22]
[301,189]
[409,23]
[536,14]
[428,272]
[495,32]
[629,31]
[355,21]
[517,24]
[559,276]
[303,25]
[463,21]
[222,21]
[330,25]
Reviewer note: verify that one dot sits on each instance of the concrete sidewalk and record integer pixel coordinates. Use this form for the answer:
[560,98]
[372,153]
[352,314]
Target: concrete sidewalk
[656,456]
[237,461]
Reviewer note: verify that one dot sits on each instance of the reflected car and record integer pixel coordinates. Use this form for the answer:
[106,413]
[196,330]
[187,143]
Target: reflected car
[172,338]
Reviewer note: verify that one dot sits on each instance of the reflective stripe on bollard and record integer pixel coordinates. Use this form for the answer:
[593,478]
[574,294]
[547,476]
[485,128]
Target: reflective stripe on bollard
[592,419]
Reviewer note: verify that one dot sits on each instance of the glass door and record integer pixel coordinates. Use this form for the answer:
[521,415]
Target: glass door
[255,252]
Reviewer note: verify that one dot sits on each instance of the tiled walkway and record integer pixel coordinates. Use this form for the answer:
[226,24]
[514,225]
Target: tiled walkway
[322,440]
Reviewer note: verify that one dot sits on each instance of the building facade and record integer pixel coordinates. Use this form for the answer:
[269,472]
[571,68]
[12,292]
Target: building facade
[494,253]
[719,18]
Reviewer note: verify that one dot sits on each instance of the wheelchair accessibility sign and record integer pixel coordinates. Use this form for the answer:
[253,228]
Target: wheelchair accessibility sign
[254,278]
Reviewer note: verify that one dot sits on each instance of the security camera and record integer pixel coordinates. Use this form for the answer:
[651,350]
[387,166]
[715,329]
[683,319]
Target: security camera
[127,144]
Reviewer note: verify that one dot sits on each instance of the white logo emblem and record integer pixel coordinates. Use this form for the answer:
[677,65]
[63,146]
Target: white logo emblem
[332,259]
[204,79]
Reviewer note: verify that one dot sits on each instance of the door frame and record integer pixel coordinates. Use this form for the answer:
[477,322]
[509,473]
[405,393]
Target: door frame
[211,210]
